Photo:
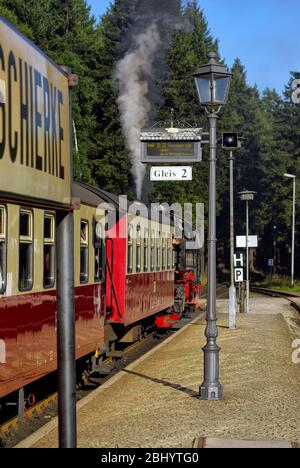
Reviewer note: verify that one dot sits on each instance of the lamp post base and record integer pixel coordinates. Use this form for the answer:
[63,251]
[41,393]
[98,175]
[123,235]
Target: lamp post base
[211,392]
[211,388]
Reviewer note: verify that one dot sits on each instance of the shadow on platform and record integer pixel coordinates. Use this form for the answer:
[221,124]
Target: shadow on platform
[178,387]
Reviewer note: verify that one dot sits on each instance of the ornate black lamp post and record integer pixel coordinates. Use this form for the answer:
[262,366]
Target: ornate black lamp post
[213,83]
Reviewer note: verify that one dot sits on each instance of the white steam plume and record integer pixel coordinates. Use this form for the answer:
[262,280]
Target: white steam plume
[131,74]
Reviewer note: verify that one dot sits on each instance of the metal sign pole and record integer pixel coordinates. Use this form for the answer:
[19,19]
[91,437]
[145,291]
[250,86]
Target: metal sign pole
[293,233]
[251,241]
[232,290]
[293,176]
[247,257]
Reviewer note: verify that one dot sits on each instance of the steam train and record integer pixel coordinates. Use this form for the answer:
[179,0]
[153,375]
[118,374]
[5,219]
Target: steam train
[124,276]
[131,274]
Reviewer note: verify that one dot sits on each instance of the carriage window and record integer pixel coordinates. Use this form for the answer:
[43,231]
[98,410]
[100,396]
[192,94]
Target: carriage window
[158,252]
[2,249]
[99,252]
[84,251]
[152,251]
[26,251]
[164,252]
[49,251]
[146,249]
[189,261]
[170,252]
[130,251]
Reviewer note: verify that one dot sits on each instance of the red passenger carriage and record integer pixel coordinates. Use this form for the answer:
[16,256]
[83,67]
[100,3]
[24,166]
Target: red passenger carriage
[124,268]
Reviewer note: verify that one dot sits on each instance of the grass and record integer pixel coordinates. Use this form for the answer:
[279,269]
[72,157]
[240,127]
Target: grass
[203,280]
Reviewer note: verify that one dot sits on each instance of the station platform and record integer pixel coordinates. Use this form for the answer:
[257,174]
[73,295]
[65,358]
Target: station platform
[153,403]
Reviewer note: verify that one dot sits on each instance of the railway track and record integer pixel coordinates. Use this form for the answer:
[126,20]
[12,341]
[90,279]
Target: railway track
[14,430]
[294,299]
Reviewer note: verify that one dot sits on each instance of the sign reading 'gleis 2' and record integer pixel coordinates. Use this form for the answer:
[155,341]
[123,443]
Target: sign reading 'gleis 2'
[171,173]
[34,121]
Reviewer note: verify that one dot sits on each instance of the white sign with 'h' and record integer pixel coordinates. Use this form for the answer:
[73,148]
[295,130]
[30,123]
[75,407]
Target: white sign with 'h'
[238,260]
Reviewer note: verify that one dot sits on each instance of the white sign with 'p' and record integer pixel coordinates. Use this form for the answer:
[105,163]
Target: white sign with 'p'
[239,275]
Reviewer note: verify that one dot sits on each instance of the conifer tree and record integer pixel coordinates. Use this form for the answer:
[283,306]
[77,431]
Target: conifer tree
[268,124]
[189,48]
[12,17]
[64,29]
[110,162]
[241,114]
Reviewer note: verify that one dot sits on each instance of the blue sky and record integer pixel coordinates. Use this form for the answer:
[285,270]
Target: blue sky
[264,34]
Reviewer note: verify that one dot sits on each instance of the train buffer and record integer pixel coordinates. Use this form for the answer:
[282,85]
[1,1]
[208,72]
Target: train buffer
[116,354]
[153,402]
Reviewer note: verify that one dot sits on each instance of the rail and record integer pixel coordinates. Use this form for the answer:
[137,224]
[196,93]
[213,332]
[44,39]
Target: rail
[274,293]
[11,427]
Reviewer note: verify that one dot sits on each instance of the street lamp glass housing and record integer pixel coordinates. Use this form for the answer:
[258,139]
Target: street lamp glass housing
[247,195]
[212,82]
[290,176]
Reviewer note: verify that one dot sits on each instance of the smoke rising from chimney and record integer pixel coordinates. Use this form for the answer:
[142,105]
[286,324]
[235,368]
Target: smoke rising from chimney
[153,23]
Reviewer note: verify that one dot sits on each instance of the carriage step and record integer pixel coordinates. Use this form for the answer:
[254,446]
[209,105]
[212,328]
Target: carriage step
[104,370]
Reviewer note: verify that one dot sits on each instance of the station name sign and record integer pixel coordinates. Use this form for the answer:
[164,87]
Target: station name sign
[34,122]
[171,145]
